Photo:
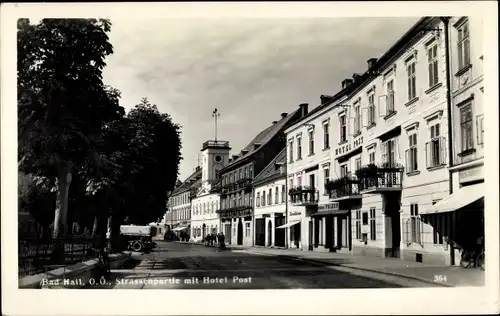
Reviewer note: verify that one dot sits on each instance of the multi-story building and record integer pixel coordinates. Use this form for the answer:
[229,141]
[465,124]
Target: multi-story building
[236,180]
[460,216]
[204,206]
[270,203]
[180,203]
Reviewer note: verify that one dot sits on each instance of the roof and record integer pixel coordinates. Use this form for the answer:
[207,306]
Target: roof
[262,138]
[272,170]
[186,185]
[368,75]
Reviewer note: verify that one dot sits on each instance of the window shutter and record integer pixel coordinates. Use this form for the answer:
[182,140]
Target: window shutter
[364,117]
[383,148]
[428,154]
[382,105]
[442,151]
[480,129]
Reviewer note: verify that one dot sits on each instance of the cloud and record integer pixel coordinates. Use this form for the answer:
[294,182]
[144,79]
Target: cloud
[250,69]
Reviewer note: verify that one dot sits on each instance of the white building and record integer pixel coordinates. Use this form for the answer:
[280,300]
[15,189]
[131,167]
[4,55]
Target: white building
[204,206]
[270,194]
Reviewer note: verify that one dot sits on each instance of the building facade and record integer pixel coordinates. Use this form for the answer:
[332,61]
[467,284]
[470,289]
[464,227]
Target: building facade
[270,203]
[179,204]
[236,181]
[204,216]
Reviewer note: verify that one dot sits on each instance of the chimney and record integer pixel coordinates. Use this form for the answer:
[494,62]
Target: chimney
[346,83]
[371,62]
[274,122]
[325,98]
[283,115]
[303,109]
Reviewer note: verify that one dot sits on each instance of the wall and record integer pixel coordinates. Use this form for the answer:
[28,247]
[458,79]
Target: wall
[204,211]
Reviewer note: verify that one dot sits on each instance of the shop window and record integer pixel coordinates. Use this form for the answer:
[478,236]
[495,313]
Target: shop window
[358,225]
[365,218]
[373,232]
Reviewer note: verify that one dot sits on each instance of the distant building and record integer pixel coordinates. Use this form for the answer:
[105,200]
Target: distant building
[236,180]
[270,195]
[206,202]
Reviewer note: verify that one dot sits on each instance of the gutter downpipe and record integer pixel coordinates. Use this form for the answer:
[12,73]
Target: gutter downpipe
[287,232]
[446,21]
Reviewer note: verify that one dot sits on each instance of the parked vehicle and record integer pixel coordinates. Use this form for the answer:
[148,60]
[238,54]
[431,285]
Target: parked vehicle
[138,238]
[170,236]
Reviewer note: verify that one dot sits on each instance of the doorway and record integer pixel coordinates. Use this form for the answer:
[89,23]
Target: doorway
[203,232]
[240,233]
[269,234]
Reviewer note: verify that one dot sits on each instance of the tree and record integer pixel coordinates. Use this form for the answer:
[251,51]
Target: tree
[62,101]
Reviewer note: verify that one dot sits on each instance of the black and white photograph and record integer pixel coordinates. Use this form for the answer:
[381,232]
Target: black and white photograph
[341,151]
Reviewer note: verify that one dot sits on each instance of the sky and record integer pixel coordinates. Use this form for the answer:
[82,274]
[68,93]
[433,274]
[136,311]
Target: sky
[251,70]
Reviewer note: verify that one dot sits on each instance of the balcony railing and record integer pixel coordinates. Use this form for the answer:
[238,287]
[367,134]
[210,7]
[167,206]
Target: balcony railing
[236,186]
[215,143]
[235,211]
[342,188]
[380,178]
[304,196]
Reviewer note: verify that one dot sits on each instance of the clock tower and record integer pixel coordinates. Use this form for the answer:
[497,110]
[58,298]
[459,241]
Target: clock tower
[215,155]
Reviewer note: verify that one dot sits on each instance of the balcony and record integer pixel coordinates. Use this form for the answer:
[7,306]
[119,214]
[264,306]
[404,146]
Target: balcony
[235,211]
[344,188]
[240,184]
[304,196]
[215,144]
[380,179]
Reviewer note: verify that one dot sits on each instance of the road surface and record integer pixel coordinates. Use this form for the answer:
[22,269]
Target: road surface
[192,266]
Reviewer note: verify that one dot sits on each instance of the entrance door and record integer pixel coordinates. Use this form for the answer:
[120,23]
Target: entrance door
[329,232]
[227,229]
[204,231]
[311,235]
[279,233]
[339,232]
[240,232]
[396,234]
[260,228]
[269,234]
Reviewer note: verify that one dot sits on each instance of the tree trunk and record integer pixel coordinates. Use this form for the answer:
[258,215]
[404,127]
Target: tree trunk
[60,216]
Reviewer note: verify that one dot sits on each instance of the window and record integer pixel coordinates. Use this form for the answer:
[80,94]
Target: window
[343,129]
[435,147]
[412,81]
[263,198]
[236,176]
[437,238]
[240,200]
[343,170]
[357,118]
[371,156]
[371,109]
[480,129]
[250,172]
[326,136]
[358,163]
[270,197]
[326,174]
[312,183]
[389,152]
[290,155]
[257,199]
[358,225]
[311,142]
[299,180]
[415,224]
[247,229]
[432,59]
[463,45]
[299,147]
[411,154]
[365,218]
[283,194]
[390,97]
[241,174]
[466,127]
[276,196]
[372,224]
[290,183]
[246,172]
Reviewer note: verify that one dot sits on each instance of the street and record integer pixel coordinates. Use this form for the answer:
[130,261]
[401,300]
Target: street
[193,266]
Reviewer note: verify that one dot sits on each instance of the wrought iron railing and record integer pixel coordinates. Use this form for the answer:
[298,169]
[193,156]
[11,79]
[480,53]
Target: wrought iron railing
[349,188]
[236,186]
[304,195]
[384,176]
[215,143]
[36,255]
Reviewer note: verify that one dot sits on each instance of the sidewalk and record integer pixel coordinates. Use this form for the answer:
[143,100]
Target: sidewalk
[435,274]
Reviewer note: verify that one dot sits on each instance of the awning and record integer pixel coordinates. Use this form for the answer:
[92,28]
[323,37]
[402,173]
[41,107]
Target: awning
[290,224]
[179,228]
[463,197]
[330,212]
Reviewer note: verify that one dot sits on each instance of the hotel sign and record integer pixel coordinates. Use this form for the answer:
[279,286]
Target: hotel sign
[329,207]
[349,147]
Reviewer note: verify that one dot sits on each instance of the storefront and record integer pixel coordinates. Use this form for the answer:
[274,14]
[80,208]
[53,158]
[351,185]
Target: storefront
[331,228]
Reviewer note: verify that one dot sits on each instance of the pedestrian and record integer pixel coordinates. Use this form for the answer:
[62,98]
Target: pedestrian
[223,243]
